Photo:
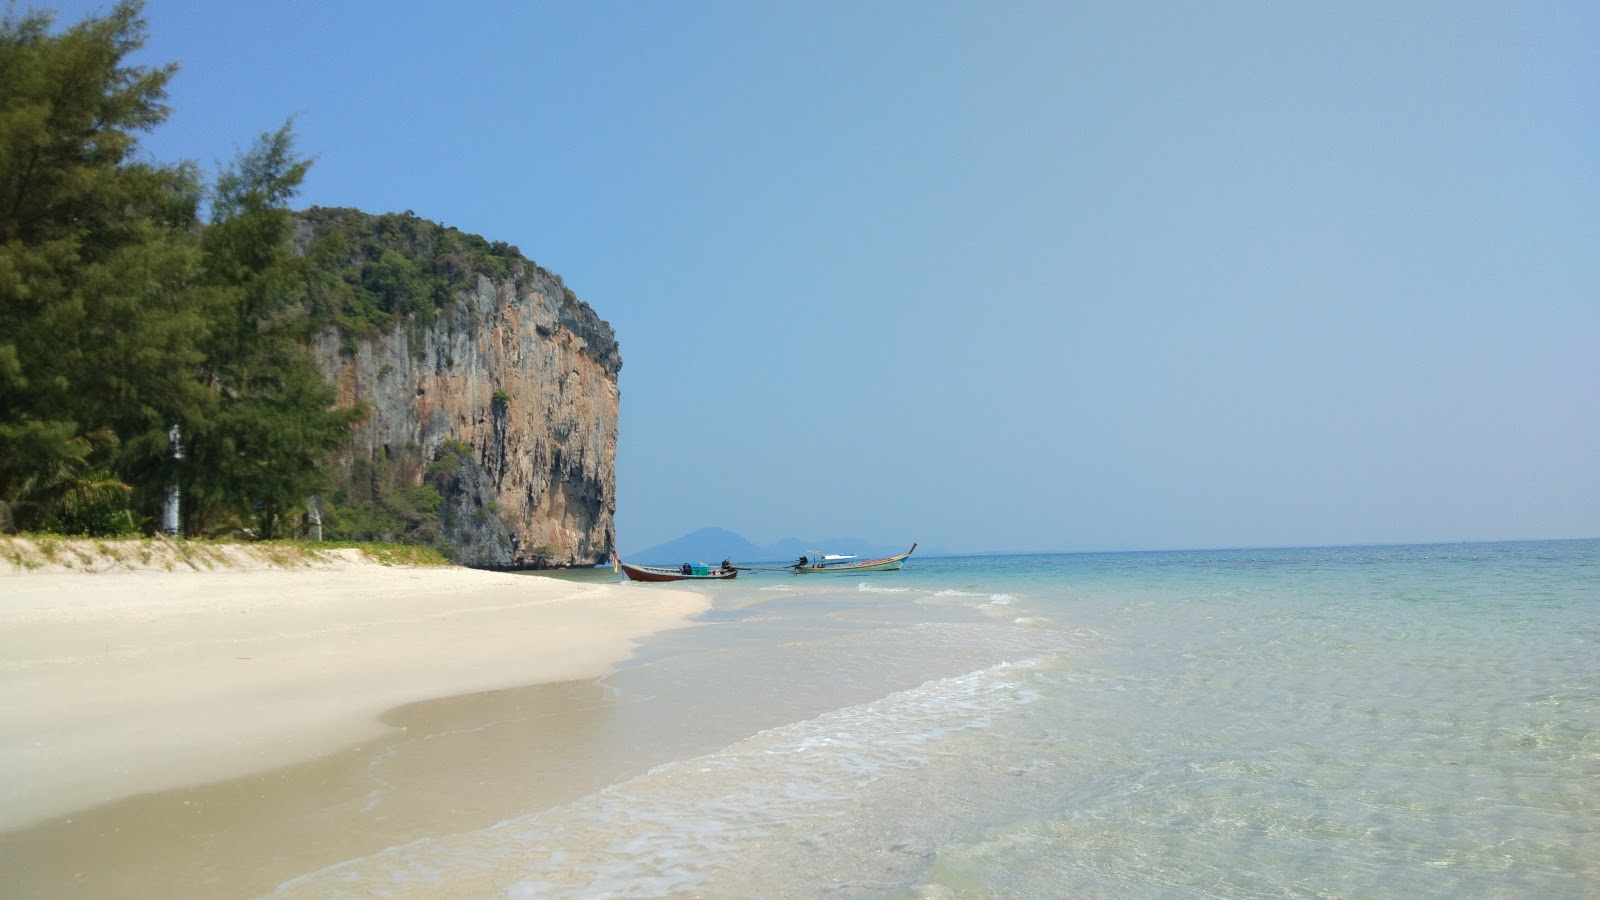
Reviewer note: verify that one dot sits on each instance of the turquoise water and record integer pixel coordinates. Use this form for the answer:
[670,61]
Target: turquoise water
[1337,722]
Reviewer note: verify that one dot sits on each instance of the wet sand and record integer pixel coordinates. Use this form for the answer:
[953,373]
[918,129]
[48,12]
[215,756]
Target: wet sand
[211,733]
[445,766]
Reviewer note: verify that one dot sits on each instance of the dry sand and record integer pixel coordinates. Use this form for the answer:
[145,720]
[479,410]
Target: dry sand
[136,680]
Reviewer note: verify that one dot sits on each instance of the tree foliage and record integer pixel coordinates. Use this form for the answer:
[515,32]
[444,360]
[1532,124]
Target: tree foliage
[273,417]
[384,501]
[123,313]
[370,274]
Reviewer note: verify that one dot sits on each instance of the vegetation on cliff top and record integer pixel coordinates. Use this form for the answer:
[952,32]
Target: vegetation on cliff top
[369,273]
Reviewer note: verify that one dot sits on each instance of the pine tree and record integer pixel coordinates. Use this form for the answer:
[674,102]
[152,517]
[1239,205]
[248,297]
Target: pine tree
[98,334]
[122,315]
[255,457]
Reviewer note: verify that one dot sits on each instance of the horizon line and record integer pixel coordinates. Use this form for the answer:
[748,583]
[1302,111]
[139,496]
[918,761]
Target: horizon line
[1195,549]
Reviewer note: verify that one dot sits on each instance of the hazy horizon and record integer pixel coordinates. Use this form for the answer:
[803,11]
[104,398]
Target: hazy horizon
[927,549]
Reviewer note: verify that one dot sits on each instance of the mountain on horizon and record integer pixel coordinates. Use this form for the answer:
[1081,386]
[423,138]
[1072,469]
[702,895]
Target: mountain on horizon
[712,545]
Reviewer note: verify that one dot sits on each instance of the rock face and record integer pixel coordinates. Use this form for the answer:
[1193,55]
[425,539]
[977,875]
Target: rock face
[507,403]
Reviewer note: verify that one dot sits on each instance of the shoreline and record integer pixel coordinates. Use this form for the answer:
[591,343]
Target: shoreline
[129,682]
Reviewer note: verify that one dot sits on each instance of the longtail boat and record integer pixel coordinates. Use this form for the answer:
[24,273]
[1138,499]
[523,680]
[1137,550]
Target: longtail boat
[685,572]
[887,564]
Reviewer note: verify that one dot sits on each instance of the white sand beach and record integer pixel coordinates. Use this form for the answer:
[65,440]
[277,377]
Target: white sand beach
[137,679]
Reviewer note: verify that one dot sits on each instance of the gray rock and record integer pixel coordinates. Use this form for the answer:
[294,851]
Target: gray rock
[522,373]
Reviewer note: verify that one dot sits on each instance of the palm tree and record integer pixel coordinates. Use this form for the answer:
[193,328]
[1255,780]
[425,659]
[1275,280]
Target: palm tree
[64,489]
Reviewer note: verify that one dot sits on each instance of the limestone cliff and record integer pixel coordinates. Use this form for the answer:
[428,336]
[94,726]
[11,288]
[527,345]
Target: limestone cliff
[497,388]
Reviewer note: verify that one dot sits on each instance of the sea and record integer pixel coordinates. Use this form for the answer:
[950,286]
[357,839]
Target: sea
[1379,721]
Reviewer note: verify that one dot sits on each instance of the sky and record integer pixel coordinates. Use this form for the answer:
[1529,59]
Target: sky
[1001,276]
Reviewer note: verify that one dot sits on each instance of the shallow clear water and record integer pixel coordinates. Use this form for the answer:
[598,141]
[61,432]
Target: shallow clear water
[1341,722]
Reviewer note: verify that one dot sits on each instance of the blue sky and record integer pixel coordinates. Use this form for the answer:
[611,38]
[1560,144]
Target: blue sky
[1003,276]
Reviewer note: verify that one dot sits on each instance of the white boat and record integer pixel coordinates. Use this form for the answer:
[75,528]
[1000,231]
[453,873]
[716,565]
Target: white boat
[843,564]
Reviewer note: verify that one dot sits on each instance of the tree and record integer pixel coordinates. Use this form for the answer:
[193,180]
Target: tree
[255,455]
[122,314]
[48,481]
[98,335]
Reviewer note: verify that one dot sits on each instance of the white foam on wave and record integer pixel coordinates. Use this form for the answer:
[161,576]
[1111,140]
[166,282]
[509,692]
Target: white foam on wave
[989,603]
[998,605]
[864,587]
[666,831]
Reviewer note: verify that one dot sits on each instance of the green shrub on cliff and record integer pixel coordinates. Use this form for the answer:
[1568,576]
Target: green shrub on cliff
[383,501]
[370,273]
